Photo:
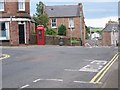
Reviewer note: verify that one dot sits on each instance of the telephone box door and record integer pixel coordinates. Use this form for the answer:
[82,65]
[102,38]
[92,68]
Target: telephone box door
[40,35]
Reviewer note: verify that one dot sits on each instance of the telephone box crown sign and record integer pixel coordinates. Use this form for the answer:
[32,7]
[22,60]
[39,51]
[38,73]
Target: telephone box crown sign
[40,27]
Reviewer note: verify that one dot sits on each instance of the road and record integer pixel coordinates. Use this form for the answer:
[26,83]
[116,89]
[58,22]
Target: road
[58,67]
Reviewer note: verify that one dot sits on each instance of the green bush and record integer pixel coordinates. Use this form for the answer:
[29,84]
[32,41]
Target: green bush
[50,31]
[74,40]
[62,30]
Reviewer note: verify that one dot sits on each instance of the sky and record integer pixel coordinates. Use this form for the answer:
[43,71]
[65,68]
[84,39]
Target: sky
[97,13]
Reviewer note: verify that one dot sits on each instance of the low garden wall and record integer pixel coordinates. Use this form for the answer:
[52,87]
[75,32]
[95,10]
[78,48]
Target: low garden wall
[4,43]
[54,40]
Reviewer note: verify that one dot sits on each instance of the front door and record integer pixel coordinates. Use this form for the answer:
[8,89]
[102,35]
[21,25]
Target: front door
[21,34]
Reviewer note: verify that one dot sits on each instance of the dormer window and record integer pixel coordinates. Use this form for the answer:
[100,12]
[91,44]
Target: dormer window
[21,5]
[1,5]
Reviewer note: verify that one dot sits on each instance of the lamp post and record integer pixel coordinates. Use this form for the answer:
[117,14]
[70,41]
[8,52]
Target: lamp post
[113,31]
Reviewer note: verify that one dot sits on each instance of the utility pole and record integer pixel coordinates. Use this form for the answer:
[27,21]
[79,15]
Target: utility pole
[81,21]
[113,30]
[71,35]
[90,33]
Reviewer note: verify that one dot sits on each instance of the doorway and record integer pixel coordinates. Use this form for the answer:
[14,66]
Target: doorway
[21,34]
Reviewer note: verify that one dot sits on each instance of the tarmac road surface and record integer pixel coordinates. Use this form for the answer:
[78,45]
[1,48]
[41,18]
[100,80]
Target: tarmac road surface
[60,67]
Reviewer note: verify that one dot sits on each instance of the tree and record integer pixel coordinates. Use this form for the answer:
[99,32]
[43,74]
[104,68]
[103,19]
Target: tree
[42,20]
[39,9]
[40,17]
[62,30]
[100,32]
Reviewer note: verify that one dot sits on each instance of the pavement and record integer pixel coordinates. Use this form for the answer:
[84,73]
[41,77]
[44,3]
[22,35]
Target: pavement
[58,67]
[112,79]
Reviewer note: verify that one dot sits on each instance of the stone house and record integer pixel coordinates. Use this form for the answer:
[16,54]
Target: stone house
[15,22]
[69,15]
[110,34]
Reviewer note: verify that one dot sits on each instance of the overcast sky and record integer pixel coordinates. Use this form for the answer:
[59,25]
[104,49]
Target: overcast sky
[96,13]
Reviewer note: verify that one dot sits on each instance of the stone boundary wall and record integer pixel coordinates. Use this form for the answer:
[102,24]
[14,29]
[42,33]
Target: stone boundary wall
[53,40]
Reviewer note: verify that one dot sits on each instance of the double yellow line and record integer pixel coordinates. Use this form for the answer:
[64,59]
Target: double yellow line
[4,56]
[96,79]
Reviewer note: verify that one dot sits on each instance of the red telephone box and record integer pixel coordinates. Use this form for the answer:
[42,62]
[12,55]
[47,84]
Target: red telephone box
[40,35]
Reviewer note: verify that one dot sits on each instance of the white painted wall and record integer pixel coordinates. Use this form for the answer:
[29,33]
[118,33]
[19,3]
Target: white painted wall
[95,36]
[114,38]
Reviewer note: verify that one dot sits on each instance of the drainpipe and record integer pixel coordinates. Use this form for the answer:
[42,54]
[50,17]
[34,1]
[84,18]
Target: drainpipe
[11,42]
[80,4]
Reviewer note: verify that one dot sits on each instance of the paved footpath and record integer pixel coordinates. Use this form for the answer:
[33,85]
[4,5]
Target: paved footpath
[113,77]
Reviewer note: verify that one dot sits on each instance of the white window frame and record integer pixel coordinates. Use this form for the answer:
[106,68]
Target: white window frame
[2,2]
[7,32]
[19,3]
[71,22]
[53,22]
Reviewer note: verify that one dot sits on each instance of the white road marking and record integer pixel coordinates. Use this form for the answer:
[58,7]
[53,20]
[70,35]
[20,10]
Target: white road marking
[84,69]
[37,80]
[73,70]
[59,80]
[88,70]
[101,66]
[80,82]
[25,86]
[88,60]
[84,82]
[86,66]
[99,62]
[4,56]
[94,66]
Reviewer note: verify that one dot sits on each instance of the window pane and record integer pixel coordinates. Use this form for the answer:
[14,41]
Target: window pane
[2,26]
[21,0]
[71,22]
[3,29]
[1,6]
[21,5]
[1,0]
[53,22]
[3,32]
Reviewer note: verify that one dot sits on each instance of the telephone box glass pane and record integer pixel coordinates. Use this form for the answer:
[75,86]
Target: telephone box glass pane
[40,35]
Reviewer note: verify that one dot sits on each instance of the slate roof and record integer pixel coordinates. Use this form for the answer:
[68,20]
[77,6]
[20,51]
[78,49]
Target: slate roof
[63,11]
[109,27]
